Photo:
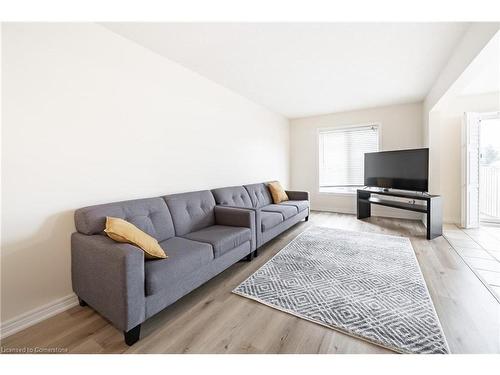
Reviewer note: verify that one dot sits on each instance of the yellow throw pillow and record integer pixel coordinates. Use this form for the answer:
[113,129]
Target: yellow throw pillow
[277,192]
[122,231]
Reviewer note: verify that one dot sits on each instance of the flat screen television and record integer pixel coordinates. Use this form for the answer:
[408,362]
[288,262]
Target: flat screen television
[401,169]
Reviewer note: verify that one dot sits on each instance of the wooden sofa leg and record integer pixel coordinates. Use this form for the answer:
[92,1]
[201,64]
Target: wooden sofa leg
[307,218]
[249,257]
[256,253]
[132,336]
[82,302]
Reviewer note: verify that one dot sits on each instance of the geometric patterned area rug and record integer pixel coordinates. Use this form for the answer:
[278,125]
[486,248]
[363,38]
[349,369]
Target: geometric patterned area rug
[366,285]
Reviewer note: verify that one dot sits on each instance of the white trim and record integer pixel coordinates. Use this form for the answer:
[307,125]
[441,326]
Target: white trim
[386,213]
[485,116]
[466,213]
[451,220]
[469,211]
[489,115]
[339,193]
[37,315]
[341,128]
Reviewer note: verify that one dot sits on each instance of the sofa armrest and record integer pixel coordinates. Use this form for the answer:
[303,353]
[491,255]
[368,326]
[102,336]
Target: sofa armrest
[297,195]
[109,276]
[237,217]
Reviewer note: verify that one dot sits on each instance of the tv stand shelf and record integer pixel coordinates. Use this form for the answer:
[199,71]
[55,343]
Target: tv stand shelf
[395,204]
[431,206]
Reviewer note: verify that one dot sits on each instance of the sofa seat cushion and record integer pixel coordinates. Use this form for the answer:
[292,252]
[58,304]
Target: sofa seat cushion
[184,257]
[223,238]
[301,205]
[286,210]
[269,220]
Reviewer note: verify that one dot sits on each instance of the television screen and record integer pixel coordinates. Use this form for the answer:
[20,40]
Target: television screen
[402,169]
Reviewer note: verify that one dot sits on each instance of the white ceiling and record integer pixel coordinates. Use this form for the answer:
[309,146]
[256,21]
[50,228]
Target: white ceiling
[304,69]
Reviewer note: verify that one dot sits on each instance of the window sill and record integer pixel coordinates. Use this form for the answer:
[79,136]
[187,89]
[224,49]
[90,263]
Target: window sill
[338,191]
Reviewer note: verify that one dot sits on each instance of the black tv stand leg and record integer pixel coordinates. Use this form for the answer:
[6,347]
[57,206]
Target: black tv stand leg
[434,218]
[132,336]
[364,208]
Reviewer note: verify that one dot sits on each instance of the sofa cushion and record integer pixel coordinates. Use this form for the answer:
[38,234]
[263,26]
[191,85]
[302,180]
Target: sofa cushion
[286,210]
[236,196]
[301,205]
[259,194]
[222,238]
[191,211]
[184,257]
[151,215]
[269,220]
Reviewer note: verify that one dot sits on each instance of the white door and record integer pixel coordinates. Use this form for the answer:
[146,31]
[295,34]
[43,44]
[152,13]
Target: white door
[489,168]
[470,170]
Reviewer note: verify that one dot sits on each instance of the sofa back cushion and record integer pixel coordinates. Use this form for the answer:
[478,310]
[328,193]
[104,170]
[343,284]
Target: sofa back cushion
[191,211]
[150,215]
[236,196]
[259,194]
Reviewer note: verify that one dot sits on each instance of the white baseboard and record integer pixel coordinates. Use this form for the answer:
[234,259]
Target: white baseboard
[385,214]
[451,220]
[34,316]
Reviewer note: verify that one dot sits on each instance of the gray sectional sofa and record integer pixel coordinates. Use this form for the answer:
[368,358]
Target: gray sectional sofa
[271,219]
[203,233]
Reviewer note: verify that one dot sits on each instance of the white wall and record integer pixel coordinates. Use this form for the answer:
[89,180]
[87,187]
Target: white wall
[401,128]
[90,117]
[477,36]
[443,110]
[474,40]
[449,143]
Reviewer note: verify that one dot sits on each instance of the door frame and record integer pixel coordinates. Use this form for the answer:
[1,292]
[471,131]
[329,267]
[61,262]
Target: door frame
[469,213]
[486,116]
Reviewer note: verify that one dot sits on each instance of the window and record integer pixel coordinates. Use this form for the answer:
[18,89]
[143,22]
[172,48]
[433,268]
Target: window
[341,156]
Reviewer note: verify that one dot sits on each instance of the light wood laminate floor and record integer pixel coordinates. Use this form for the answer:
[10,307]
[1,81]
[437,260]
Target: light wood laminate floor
[213,320]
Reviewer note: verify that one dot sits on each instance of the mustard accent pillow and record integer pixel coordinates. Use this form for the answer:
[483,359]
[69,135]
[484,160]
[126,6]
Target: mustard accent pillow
[123,231]
[277,192]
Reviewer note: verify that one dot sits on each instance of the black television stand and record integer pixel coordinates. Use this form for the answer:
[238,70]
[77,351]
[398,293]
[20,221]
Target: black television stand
[432,207]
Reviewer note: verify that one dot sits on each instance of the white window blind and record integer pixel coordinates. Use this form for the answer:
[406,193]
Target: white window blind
[341,155]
